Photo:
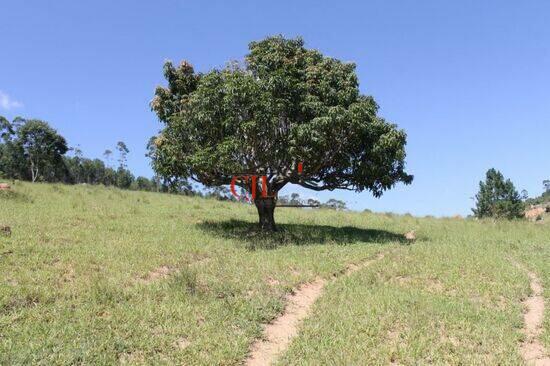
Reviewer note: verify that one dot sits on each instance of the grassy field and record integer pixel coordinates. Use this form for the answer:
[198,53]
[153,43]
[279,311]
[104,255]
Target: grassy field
[98,275]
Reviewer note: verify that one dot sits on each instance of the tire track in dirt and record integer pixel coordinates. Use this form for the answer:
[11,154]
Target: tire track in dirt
[279,333]
[532,350]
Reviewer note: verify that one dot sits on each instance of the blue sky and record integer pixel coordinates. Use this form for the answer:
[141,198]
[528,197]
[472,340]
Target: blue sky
[468,80]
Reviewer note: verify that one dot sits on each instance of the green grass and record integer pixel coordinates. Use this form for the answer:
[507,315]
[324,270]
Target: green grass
[74,288]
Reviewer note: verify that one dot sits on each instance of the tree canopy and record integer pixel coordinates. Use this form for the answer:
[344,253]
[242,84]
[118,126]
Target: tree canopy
[498,197]
[31,149]
[284,105]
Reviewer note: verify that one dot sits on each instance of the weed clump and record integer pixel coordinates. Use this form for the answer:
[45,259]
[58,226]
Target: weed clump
[14,196]
[186,280]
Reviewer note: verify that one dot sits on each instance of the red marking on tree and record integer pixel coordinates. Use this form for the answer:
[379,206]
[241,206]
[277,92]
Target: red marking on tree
[254,179]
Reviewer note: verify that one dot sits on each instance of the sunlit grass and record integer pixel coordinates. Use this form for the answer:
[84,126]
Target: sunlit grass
[78,284]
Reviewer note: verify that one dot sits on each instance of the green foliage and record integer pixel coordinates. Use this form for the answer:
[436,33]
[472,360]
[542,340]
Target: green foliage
[313,202]
[221,193]
[498,198]
[143,184]
[295,199]
[335,204]
[123,154]
[83,170]
[12,162]
[544,198]
[124,178]
[286,104]
[31,150]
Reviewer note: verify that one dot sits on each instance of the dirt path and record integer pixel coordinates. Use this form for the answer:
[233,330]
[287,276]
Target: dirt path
[532,350]
[279,333]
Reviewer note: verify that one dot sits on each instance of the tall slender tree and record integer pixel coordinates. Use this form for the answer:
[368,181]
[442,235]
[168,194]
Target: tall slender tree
[122,154]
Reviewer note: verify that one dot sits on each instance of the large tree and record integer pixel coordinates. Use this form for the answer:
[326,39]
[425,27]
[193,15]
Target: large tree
[43,149]
[31,150]
[284,105]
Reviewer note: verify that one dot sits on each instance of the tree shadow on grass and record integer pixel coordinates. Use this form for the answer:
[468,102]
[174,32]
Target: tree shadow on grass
[297,234]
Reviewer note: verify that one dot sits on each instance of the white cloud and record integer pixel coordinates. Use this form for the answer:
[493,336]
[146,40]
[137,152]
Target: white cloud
[7,103]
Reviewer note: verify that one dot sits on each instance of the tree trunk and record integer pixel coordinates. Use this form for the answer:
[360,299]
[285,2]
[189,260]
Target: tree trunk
[34,172]
[266,210]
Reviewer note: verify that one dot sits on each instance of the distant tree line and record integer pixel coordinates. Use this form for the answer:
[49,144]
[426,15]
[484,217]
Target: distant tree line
[544,197]
[295,199]
[223,193]
[33,151]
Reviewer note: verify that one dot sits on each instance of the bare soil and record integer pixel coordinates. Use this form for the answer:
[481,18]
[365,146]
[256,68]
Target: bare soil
[532,350]
[158,273]
[279,333]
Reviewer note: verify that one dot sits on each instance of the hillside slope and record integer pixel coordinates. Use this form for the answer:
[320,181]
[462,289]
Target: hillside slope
[98,275]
